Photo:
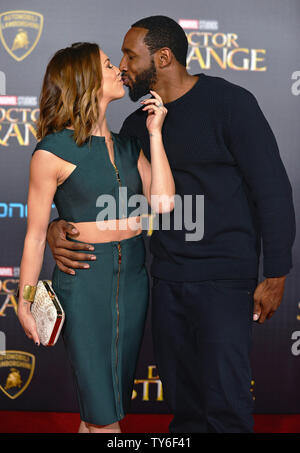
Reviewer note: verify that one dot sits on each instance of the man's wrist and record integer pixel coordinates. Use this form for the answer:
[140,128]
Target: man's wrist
[52,221]
[276,280]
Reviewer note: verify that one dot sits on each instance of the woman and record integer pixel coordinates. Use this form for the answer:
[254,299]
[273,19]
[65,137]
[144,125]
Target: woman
[77,160]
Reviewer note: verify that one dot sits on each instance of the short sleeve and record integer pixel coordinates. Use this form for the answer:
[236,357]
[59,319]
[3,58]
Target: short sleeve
[43,144]
[52,143]
[60,145]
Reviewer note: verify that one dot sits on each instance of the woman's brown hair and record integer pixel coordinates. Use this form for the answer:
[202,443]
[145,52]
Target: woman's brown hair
[69,92]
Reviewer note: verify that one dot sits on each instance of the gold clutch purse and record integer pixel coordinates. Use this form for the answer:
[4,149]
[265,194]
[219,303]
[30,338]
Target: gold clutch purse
[47,311]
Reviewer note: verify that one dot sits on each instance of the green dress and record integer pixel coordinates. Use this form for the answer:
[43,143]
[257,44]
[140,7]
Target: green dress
[105,305]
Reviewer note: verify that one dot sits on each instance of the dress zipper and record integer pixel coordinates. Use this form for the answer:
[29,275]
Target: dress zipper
[117,174]
[118,316]
[117,299]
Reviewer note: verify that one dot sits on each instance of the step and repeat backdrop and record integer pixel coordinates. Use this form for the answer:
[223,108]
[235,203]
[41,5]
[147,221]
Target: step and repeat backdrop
[252,43]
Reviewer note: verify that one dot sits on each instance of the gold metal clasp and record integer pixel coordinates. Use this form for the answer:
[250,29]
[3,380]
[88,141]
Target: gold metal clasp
[151,217]
[29,292]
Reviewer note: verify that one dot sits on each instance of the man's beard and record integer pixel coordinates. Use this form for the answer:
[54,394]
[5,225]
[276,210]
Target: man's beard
[143,83]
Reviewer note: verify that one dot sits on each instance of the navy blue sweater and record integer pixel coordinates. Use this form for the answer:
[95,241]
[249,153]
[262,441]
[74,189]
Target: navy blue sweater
[220,145]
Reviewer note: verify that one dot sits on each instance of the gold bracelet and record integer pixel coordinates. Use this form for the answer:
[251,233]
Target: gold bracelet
[28,292]
[150,217]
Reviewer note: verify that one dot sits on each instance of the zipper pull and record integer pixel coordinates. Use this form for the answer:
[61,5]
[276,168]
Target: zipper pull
[120,256]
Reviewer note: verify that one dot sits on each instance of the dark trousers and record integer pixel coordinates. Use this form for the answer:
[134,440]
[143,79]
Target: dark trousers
[202,338]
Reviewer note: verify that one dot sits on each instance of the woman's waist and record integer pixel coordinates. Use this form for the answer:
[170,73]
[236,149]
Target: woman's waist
[108,230]
[132,246]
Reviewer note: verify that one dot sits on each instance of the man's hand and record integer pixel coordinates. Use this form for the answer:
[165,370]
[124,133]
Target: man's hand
[63,249]
[267,298]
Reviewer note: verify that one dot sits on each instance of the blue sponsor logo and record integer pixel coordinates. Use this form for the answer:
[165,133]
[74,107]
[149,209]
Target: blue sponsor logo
[15,210]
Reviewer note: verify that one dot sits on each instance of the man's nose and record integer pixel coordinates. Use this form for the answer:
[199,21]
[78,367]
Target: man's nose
[122,65]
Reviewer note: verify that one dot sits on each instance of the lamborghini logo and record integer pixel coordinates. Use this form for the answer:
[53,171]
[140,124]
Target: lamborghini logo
[16,371]
[20,32]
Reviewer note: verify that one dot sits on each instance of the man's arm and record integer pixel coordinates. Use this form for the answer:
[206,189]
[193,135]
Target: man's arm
[267,298]
[65,252]
[254,147]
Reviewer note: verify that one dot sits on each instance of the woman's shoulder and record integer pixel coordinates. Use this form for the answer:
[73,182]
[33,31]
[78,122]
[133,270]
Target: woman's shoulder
[128,144]
[54,138]
[60,143]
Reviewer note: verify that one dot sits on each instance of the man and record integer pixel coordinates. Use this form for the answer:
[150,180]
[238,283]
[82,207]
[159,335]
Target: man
[205,293]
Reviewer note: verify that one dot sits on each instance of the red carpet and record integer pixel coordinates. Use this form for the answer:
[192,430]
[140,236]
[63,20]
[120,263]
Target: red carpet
[58,422]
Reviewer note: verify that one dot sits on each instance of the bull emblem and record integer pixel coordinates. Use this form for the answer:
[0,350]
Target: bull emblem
[13,379]
[21,40]
[16,371]
[20,32]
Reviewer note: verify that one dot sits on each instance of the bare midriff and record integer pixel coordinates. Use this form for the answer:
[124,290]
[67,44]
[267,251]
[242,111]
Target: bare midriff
[108,230]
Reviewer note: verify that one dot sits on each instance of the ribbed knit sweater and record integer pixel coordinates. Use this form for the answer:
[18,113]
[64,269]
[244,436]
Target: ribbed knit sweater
[220,145]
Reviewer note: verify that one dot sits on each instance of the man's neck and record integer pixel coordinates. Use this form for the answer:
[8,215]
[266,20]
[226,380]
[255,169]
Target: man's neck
[175,86]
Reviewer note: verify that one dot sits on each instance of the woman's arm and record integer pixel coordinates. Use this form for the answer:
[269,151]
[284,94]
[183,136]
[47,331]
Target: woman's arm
[157,178]
[42,186]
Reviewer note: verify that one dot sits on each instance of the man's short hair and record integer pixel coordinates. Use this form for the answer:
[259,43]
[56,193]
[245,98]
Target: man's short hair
[164,32]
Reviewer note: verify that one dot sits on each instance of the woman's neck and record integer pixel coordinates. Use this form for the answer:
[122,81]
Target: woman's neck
[101,128]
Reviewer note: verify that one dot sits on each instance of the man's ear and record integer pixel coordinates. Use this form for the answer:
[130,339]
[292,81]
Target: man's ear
[163,57]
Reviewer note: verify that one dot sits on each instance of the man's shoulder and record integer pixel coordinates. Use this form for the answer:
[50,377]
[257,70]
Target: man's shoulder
[226,87]
[134,122]
[136,115]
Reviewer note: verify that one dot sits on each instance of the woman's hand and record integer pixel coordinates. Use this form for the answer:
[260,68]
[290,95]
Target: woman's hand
[28,323]
[158,181]
[156,113]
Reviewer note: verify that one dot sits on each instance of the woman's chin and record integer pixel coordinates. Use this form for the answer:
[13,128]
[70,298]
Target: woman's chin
[120,95]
